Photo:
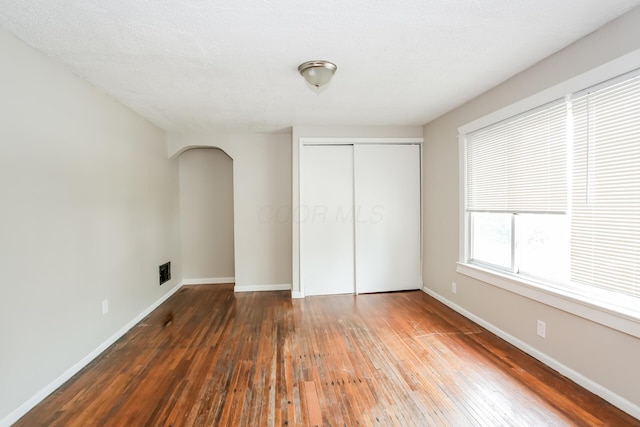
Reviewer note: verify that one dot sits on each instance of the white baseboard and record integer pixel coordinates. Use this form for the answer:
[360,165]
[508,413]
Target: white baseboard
[209,281]
[258,288]
[296,294]
[608,395]
[21,410]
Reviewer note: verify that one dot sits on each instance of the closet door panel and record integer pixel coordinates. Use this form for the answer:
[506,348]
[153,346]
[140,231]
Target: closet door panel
[387,217]
[327,242]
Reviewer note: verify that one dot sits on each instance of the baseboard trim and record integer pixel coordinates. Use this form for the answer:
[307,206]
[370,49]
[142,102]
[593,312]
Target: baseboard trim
[209,281]
[608,395]
[21,410]
[259,288]
[296,294]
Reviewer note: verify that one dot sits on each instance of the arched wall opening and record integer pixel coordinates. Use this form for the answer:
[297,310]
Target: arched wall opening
[207,215]
[261,203]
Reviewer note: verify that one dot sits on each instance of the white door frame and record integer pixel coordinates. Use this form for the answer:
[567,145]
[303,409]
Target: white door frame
[298,165]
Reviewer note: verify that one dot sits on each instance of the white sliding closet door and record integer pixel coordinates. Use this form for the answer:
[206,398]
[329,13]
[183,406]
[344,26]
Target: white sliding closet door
[387,223]
[327,260]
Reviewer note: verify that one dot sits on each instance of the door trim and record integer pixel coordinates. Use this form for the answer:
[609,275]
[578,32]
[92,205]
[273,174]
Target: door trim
[297,289]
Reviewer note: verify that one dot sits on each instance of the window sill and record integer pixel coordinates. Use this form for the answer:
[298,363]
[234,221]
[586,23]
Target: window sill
[624,317]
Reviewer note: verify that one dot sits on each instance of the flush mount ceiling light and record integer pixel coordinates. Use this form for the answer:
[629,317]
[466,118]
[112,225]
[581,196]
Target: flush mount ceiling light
[317,73]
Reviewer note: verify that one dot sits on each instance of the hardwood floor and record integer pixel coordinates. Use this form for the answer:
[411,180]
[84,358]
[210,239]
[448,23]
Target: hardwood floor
[210,357]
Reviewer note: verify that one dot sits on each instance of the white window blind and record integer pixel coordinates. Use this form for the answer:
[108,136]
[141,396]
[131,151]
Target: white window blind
[520,164]
[605,230]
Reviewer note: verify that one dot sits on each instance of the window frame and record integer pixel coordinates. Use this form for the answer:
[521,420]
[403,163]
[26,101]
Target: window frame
[622,314]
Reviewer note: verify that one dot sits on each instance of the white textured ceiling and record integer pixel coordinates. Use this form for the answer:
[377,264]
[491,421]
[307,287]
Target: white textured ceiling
[197,65]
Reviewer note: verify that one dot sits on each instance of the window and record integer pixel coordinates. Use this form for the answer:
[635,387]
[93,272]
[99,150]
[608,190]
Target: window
[553,195]
[605,229]
[491,235]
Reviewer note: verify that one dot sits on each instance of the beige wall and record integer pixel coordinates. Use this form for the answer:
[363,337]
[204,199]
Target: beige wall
[595,352]
[89,212]
[206,212]
[262,203]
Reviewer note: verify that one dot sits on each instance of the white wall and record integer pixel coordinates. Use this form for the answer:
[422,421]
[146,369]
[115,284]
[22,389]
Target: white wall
[594,352]
[89,212]
[206,213]
[262,203]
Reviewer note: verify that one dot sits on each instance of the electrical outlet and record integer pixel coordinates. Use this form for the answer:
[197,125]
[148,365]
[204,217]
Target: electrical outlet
[542,329]
[454,287]
[105,306]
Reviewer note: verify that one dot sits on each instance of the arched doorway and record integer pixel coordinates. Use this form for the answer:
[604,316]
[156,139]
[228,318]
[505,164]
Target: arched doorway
[206,216]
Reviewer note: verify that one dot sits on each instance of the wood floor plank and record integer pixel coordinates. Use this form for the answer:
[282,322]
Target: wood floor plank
[263,359]
[313,404]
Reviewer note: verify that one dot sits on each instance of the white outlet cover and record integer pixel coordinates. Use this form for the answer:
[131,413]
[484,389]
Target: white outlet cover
[454,287]
[542,328]
[105,306]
